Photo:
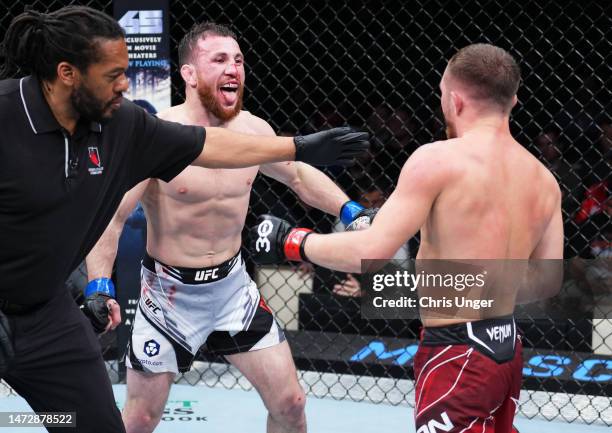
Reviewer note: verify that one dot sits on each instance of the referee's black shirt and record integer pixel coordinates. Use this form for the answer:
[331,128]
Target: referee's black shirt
[58,192]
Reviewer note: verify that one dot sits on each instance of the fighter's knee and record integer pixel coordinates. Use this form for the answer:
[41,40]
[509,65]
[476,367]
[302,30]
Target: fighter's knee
[140,420]
[296,403]
[290,409]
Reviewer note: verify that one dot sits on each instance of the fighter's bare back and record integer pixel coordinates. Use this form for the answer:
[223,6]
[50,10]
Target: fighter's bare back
[493,210]
[495,192]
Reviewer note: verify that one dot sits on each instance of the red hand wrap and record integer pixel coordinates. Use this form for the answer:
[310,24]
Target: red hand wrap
[293,243]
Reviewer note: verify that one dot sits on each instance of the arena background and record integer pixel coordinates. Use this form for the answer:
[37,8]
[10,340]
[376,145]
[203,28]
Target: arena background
[376,66]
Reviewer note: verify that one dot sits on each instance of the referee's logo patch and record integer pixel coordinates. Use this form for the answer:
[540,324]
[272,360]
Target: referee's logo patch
[95,164]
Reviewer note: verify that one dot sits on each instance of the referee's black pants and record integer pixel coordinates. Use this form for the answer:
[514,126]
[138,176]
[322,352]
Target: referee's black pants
[58,366]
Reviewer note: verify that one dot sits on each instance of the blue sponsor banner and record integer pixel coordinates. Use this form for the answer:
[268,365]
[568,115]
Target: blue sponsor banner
[558,371]
[576,365]
[146,25]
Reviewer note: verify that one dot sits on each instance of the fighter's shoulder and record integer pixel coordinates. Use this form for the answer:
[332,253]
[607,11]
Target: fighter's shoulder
[173,114]
[431,163]
[437,155]
[534,172]
[542,173]
[549,181]
[248,122]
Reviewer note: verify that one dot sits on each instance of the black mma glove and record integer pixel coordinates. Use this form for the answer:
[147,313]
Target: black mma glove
[337,146]
[97,292]
[6,344]
[273,240]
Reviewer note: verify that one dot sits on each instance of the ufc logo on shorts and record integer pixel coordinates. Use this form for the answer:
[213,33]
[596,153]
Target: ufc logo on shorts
[263,230]
[434,426]
[149,303]
[205,275]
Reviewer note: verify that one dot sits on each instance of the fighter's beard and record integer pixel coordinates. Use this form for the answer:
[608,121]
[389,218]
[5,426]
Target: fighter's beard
[209,100]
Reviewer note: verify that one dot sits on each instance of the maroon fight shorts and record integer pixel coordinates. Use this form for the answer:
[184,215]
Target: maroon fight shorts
[468,377]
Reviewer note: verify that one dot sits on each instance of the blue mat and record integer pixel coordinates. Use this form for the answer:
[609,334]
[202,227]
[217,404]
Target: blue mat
[216,410]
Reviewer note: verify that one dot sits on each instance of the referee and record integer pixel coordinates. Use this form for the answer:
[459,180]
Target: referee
[70,148]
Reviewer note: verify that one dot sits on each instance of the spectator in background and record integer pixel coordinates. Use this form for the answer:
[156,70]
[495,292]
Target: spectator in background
[599,163]
[578,115]
[590,235]
[592,270]
[550,149]
[598,158]
[393,132]
[328,114]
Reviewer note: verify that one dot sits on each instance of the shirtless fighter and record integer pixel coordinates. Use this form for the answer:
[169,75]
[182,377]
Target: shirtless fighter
[477,195]
[195,288]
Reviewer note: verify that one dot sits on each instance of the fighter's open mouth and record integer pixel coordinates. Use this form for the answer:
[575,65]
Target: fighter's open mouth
[230,88]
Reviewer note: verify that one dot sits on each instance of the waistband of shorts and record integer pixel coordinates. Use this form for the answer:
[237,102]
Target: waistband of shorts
[193,275]
[464,333]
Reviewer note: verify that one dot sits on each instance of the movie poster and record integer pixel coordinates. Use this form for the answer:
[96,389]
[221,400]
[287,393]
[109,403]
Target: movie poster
[148,40]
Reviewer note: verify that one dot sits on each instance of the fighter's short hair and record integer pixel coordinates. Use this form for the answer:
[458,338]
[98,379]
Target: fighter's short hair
[197,32]
[488,72]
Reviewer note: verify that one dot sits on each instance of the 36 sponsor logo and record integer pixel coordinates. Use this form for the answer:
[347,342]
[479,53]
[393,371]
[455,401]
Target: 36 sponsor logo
[263,230]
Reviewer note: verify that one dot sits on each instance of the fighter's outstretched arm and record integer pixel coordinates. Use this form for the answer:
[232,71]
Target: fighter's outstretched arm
[101,258]
[420,182]
[100,305]
[311,185]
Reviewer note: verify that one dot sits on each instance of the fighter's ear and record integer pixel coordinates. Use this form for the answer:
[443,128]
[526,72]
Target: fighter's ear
[514,100]
[189,75]
[456,102]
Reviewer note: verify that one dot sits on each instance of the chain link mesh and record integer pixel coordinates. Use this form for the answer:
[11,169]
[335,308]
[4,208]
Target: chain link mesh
[319,64]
